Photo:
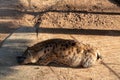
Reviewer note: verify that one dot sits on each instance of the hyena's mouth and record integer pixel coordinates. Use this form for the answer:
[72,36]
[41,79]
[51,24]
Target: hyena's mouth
[20,59]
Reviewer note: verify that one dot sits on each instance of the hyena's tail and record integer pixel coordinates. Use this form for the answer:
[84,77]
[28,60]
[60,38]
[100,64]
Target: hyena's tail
[98,55]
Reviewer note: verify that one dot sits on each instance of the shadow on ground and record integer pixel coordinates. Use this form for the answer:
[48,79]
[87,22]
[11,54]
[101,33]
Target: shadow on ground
[10,14]
[117,2]
[7,27]
[98,32]
[8,53]
[114,72]
[80,31]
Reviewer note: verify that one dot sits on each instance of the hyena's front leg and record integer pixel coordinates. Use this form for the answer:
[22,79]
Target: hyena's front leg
[46,60]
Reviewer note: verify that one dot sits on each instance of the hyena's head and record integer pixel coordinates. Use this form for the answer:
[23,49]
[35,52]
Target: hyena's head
[90,56]
[27,57]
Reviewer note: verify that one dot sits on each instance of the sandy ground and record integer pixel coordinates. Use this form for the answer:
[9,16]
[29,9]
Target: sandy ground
[100,26]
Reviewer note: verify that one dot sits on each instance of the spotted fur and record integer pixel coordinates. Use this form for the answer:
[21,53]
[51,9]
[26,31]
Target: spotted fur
[61,51]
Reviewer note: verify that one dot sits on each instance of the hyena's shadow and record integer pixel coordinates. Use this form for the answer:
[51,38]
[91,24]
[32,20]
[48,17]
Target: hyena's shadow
[53,65]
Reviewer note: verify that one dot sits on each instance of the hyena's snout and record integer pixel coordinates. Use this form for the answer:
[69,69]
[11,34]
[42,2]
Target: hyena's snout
[22,60]
[26,60]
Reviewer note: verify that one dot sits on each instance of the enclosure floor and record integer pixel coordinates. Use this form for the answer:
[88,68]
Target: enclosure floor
[23,37]
[96,22]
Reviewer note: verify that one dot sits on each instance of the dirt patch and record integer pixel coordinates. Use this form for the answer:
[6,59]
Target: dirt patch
[81,21]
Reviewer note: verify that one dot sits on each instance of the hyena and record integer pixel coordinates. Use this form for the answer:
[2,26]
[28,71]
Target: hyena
[61,51]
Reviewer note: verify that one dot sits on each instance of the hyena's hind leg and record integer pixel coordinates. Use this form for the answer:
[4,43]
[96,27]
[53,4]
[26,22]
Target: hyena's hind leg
[46,60]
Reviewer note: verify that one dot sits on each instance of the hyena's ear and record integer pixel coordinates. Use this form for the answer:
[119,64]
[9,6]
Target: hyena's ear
[98,55]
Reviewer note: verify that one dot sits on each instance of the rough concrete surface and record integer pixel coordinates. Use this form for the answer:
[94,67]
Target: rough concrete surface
[96,22]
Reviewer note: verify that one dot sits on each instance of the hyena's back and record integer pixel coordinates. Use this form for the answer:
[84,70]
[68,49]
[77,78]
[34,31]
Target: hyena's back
[57,47]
